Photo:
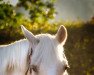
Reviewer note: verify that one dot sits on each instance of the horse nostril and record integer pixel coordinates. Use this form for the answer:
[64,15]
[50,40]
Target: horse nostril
[66,67]
[35,68]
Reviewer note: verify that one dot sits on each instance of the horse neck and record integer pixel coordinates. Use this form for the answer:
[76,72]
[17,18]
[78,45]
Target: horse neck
[20,47]
[15,52]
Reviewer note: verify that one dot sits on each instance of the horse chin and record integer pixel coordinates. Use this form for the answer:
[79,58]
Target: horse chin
[65,73]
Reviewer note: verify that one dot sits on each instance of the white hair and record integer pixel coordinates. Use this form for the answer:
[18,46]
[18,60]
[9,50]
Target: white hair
[47,50]
[13,57]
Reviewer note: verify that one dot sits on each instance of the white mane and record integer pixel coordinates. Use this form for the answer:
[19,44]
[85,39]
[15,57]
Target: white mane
[48,50]
[13,56]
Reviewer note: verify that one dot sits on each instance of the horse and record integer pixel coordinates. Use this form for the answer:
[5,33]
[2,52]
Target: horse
[48,57]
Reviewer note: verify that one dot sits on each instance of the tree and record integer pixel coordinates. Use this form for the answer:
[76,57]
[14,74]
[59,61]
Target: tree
[39,11]
[10,20]
[8,16]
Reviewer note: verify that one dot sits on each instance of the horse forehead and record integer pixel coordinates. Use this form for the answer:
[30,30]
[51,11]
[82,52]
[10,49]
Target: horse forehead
[44,37]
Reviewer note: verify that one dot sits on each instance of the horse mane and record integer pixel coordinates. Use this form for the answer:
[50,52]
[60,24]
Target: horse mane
[47,50]
[13,43]
[14,55]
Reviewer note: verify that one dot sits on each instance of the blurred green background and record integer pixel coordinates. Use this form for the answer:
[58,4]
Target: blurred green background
[79,48]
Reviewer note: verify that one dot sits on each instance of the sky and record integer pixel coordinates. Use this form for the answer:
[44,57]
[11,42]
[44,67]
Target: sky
[71,9]
[74,9]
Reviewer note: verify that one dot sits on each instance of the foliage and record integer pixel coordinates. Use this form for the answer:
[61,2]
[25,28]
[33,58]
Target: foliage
[40,12]
[10,20]
[79,49]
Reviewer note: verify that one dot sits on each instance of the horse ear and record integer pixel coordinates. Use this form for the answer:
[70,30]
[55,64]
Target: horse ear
[61,34]
[28,34]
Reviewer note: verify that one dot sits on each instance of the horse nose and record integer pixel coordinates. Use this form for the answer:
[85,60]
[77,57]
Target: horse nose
[66,67]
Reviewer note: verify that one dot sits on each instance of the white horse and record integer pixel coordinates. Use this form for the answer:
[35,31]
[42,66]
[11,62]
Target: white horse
[48,56]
